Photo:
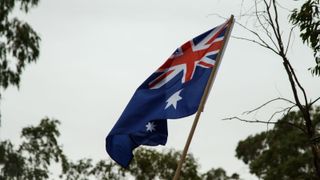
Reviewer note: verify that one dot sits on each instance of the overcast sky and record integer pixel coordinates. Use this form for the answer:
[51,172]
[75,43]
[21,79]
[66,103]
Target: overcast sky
[95,53]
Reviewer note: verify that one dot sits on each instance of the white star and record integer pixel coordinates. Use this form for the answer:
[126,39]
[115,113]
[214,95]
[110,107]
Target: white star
[174,99]
[150,126]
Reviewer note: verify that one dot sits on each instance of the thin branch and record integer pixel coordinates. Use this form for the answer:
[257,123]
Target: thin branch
[241,7]
[271,22]
[289,40]
[251,40]
[247,12]
[314,101]
[266,19]
[218,15]
[287,110]
[264,122]
[257,35]
[277,25]
[246,120]
[266,103]
[263,26]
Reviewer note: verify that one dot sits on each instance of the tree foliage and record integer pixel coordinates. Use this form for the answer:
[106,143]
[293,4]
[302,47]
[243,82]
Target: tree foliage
[308,20]
[307,17]
[218,174]
[32,158]
[40,149]
[282,152]
[19,43]
[85,169]
[149,164]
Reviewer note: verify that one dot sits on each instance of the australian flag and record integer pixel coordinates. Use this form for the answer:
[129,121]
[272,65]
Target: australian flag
[172,91]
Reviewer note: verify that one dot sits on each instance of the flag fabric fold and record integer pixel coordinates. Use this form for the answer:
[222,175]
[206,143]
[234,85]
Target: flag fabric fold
[173,91]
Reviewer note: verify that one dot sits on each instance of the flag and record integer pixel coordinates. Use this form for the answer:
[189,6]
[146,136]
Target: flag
[173,91]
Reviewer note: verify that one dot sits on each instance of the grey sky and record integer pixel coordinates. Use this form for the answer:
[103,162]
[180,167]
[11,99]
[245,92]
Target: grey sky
[95,53]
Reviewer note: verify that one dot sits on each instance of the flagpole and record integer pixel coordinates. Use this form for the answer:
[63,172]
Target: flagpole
[204,98]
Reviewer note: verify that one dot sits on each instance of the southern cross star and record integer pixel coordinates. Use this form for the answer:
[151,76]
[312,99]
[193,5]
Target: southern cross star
[173,99]
[150,126]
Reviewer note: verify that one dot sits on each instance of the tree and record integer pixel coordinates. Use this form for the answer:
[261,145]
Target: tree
[32,158]
[40,149]
[269,34]
[19,43]
[282,152]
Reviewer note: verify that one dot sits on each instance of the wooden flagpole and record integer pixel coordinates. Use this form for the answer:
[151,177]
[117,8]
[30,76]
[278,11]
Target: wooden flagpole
[204,97]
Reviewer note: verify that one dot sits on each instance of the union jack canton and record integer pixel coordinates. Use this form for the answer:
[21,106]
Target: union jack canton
[200,51]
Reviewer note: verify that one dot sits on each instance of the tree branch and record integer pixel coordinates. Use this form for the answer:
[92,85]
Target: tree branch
[298,83]
[290,71]
[268,6]
[246,120]
[262,25]
[314,101]
[285,111]
[266,45]
[251,40]
[277,25]
[266,103]
[276,29]
[264,122]
[289,39]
